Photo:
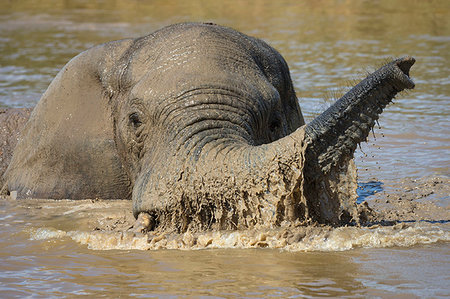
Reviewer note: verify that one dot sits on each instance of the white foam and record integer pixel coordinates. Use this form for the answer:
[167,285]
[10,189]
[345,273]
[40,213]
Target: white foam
[47,233]
[311,239]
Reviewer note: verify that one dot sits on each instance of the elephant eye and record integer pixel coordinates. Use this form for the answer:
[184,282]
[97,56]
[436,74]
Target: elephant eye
[274,125]
[135,120]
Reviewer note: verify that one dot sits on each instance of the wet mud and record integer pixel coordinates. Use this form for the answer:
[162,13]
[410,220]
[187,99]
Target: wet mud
[425,199]
[405,213]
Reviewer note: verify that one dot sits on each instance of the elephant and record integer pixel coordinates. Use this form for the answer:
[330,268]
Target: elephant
[199,125]
[11,122]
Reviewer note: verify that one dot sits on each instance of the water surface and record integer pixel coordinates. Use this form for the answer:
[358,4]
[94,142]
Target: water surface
[328,45]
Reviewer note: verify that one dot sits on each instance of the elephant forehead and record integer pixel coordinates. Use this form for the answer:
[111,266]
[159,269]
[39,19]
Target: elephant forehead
[206,49]
[194,59]
[159,83]
[194,63]
[177,86]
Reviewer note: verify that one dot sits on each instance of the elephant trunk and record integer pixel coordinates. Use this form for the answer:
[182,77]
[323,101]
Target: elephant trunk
[309,175]
[332,138]
[336,132]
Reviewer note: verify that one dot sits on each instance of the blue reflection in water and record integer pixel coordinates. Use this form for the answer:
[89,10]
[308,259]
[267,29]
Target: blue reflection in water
[366,189]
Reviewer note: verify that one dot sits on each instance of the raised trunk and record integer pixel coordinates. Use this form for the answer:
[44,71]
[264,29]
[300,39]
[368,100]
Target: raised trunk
[310,175]
[328,184]
[333,136]
[335,133]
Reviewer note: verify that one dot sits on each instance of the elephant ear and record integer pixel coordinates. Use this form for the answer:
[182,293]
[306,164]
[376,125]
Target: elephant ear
[67,148]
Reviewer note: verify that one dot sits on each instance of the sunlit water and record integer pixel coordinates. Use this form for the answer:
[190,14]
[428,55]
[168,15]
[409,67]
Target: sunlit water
[328,46]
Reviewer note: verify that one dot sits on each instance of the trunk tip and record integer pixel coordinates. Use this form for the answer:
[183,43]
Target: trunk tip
[405,64]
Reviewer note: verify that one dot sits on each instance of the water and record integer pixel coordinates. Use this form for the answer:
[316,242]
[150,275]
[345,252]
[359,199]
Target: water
[328,46]
[48,251]
[365,189]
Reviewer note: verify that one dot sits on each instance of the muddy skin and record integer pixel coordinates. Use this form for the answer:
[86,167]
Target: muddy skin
[200,126]
[12,122]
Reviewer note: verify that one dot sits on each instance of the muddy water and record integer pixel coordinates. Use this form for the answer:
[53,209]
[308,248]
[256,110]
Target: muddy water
[52,248]
[57,248]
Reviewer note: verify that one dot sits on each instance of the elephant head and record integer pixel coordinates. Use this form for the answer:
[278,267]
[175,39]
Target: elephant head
[215,137]
[210,135]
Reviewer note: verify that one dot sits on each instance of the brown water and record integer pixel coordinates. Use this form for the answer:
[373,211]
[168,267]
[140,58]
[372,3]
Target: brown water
[48,250]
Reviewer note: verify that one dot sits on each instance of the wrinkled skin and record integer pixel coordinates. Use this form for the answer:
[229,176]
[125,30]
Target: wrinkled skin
[200,125]
[11,123]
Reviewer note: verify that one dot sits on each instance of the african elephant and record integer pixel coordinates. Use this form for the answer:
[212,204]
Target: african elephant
[200,125]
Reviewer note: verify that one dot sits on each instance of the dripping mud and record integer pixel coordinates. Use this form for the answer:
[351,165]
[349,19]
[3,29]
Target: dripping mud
[405,213]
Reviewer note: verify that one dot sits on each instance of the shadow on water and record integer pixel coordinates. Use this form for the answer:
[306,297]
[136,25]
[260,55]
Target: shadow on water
[426,221]
[367,189]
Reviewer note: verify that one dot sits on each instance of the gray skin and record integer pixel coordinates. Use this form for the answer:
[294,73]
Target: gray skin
[11,122]
[200,125]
